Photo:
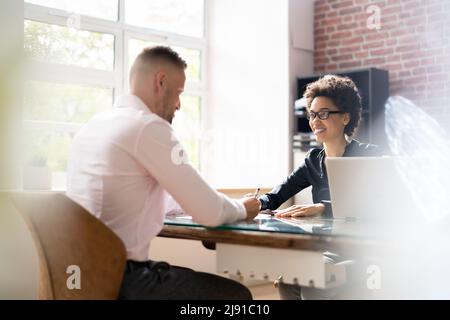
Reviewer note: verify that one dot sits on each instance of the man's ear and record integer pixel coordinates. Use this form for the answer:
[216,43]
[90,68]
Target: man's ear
[160,81]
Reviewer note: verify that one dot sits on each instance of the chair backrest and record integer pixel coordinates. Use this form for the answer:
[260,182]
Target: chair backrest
[80,257]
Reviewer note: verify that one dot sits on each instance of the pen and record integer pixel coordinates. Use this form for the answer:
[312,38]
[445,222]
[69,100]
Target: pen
[256,192]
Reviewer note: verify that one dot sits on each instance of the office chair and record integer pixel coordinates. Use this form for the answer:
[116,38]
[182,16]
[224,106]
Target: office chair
[79,257]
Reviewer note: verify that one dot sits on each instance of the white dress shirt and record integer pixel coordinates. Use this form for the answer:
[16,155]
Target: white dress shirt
[123,161]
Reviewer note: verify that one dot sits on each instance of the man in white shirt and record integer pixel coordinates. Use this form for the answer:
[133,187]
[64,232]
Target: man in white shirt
[125,163]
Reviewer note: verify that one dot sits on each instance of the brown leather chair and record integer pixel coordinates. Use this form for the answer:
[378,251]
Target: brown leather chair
[65,235]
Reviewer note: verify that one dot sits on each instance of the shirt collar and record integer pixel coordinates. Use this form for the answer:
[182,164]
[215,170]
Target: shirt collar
[348,147]
[131,101]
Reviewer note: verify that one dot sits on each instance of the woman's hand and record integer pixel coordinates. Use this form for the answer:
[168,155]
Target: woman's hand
[306,210]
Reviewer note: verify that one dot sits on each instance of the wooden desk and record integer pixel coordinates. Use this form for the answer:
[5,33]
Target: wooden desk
[268,247]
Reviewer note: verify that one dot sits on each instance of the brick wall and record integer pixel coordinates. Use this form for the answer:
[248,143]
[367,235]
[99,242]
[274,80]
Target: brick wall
[412,43]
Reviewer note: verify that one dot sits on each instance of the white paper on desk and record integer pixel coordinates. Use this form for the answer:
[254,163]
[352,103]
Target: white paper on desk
[174,210]
[308,227]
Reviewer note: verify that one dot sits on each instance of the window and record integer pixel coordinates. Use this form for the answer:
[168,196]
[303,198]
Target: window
[81,52]
[184,17]
[103,9]
[59,44]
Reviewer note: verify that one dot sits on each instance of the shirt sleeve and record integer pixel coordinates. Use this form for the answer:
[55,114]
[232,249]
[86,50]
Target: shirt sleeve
[160,153]
[328,212]
[294,183]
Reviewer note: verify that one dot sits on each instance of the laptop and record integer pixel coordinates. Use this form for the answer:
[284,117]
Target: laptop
[366,188]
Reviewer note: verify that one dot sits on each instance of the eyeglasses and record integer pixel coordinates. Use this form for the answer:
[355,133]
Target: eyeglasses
[323,115]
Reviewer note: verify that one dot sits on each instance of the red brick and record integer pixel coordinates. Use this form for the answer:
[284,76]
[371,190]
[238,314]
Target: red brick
[389,10]
[321,60]
[351,10]
[331,22]
[382,52]
[320,54]
[411,63]
[333,43]
[404,73]
[393,58]
[319,68]
[413,45]
[388,20]
[404,15]
[361,55]
[322,38]
[321,8]
[319,31]
[351,64]
[393,75]
[320,2]
[362,2]
[348,19]
[320,46]
[407,48]
[399,32]
[409,5]
[344,57]
[372,45]
[331,51]
[332,14]
[376,36]
[341,35]
[353,40]
[393,67]
[411,55]
[374,61]
[391,42]
[319,16]
[407,40]
[413,80]
[332,67]
[347,26]
[342,4]
[361,16]
[349,49]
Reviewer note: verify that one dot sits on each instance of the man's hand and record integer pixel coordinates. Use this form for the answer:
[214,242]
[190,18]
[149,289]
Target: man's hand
[252,205]
[307,210]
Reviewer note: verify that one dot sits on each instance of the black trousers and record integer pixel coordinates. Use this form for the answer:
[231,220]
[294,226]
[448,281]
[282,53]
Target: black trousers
[160,280]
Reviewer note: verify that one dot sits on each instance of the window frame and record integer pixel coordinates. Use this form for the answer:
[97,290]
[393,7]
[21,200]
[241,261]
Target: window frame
[117,78]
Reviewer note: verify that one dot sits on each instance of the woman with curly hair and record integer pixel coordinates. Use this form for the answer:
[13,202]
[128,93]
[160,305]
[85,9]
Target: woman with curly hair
[334,112]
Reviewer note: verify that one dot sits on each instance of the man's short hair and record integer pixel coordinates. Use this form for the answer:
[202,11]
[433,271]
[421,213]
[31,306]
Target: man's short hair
[154,55]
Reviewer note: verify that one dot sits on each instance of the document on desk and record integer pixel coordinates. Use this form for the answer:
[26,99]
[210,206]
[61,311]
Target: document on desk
[307,227]
[174,210]
[178,214]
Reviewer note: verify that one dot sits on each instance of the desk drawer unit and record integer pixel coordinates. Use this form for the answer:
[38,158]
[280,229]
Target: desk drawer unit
[306,268]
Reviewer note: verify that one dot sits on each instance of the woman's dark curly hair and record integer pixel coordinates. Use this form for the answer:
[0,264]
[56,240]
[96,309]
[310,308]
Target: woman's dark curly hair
[344,94]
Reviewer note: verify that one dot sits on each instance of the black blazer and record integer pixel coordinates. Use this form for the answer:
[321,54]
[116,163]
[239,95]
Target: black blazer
[312,172]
